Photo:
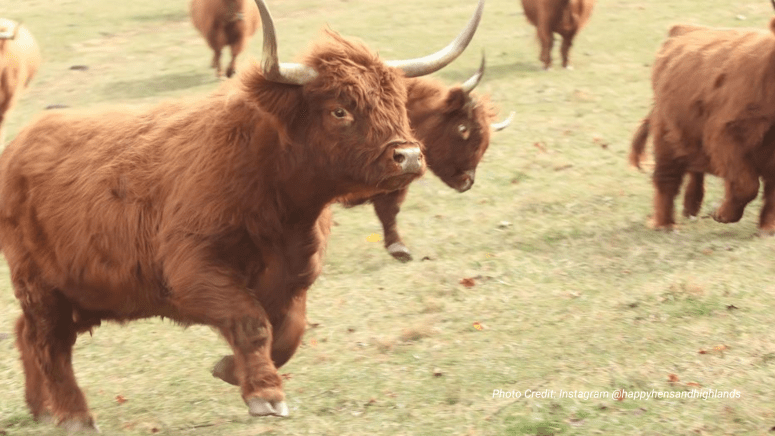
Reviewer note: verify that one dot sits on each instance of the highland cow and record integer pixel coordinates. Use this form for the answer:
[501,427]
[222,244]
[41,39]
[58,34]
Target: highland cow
[712,114]
[565,17]
[225,23]
[454,125]
[213,211]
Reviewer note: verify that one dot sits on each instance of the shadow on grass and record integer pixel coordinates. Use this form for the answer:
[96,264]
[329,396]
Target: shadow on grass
[157,84]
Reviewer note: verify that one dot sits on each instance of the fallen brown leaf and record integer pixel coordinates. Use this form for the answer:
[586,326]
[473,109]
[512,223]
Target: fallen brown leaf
[672,378]
[120,399]
[694,385]
[468,282]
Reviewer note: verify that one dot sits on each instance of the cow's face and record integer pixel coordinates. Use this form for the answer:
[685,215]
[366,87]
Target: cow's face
[350,122]
[456,135]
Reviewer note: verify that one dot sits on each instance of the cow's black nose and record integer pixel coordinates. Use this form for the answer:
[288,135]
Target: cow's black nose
[409,159]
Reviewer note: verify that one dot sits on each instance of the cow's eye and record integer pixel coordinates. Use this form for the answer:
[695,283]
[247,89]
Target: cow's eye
[339,113]
[462,129]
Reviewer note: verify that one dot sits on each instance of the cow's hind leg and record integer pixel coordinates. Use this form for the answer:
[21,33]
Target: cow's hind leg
[387,207]
[667,182]
[237,45]
[286,338]
[695,192]
[217,61]
[767,218]
[49,333]
[567,42]
[35,388]
[546,37]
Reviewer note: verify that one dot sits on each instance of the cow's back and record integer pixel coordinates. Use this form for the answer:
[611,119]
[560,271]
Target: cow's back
[705,78]
[84,198]
[536,9]
[206,13]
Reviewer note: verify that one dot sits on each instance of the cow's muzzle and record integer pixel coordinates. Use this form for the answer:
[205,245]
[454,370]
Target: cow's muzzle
[408,158]
[466,181]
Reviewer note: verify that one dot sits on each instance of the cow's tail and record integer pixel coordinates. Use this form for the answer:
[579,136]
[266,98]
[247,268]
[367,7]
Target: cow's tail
[638,146]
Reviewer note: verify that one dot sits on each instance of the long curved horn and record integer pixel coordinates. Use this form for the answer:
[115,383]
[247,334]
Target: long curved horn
[505,123]
[12,35]
[440,59]
[471,83]
[288,73]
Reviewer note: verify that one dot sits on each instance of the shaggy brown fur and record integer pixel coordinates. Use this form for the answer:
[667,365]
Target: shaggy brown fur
[213,211]
[19,61]
[564,17]
[225,23]
[712,114]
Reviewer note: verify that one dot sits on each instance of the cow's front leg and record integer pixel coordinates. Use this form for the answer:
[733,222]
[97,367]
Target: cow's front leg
[204,294]
[740,190]
[695,191]
[287,333]
[387,207]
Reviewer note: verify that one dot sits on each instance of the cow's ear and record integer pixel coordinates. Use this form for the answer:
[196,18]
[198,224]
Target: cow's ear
[281,100]
[456,100]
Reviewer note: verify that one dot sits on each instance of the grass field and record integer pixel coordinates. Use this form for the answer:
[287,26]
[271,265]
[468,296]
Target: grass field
[571,290]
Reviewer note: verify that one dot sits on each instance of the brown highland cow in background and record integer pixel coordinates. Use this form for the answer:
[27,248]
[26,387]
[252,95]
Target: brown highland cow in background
[19,61]
[225,23]
[565,17]
[712,113]
[213,211]
[454,125]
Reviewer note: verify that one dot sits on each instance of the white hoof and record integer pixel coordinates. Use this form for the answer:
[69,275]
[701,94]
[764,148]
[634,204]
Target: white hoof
[262,407]
[399,251]
[77,426]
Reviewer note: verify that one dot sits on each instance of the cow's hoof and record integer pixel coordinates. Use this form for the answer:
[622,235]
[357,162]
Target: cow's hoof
[569,67]
[718,217]
[262,407]
[45,418]
[79,425]
[653,225]
[224,370]
[399,251]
